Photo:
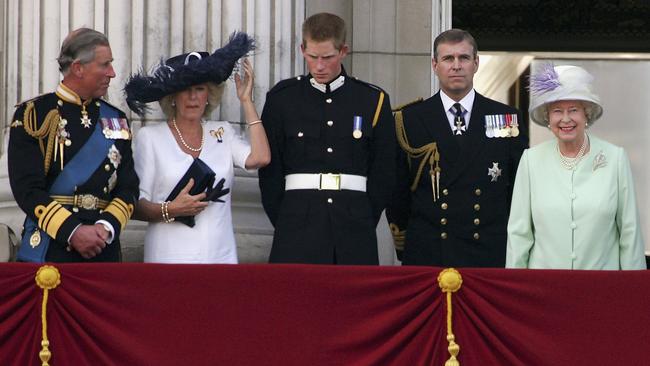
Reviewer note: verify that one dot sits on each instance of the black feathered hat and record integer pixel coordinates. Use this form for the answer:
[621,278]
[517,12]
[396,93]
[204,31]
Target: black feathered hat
[183,71]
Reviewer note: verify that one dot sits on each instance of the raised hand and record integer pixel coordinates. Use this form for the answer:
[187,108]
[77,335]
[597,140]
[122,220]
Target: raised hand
[245,86]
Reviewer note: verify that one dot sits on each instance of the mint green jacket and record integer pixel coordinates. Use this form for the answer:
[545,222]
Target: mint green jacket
[585,218]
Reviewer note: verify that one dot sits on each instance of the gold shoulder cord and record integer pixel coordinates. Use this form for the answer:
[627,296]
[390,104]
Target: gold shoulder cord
[428,152]
[48,129]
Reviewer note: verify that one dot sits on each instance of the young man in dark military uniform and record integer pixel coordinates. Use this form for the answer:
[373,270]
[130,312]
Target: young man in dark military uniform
[70,162]
[333,149]
[460,152]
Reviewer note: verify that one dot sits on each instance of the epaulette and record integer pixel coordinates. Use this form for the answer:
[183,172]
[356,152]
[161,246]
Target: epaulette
[119,111]
[283,84]
[373,86]
[30,100]
[399,108]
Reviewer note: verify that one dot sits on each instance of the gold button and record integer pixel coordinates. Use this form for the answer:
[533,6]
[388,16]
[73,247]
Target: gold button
[443,235]
[477,207]
[444,206]
[477,192]
[107,168]
[443,221]
[476,236]
[59,102]
[445,191]
[477,221]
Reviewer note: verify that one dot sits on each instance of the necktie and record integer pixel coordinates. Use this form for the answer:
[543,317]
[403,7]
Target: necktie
[459,120]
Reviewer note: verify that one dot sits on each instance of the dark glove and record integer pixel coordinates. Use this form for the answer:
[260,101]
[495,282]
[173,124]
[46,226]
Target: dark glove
[213,194]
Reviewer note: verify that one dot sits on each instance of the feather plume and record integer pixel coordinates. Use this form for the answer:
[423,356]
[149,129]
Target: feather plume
[165,79]
[544,80]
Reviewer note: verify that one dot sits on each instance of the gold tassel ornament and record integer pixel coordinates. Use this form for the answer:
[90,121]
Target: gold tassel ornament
[450,281]
[47,278]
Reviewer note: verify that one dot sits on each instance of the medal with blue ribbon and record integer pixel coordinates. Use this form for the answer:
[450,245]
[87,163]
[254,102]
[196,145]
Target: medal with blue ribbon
[356,128]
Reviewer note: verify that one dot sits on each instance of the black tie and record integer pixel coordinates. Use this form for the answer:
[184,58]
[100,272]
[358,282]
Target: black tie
[459,121]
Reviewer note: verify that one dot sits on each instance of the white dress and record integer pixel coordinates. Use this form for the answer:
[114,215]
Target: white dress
[160,164]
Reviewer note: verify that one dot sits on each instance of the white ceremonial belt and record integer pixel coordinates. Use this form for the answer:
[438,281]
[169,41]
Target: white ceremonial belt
[325,181]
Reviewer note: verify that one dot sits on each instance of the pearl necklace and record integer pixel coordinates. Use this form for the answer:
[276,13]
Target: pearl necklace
[195,149]
[571,163]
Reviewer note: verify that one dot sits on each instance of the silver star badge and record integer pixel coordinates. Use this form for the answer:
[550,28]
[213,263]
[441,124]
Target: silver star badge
[494,172]
[459,128]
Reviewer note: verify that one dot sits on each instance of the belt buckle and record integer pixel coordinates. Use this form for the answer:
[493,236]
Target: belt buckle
[330,182]
[87,201]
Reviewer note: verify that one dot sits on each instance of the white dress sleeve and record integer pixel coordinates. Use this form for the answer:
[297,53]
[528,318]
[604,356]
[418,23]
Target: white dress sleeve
[240,148]
[520,223]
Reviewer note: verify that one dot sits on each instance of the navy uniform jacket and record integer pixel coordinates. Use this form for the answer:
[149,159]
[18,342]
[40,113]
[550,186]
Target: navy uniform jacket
[310,131]
[466,226]
[115,180]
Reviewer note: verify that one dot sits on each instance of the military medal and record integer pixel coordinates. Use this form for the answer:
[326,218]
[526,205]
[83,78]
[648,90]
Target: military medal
[494,172]
[85,121]
[514,131]
[115,128]
[356,128]
[35,239]
[489,128]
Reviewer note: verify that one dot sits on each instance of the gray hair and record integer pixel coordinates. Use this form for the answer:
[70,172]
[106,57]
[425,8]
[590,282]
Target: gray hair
[215,91]
[80,45]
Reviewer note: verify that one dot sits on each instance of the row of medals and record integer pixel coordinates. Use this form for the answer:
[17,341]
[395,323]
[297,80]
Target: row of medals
[501,125]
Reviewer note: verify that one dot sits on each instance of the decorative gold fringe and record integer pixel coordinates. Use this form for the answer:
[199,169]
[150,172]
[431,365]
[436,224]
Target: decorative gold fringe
[428,152]
[48,129]
[450,281]
[47,278]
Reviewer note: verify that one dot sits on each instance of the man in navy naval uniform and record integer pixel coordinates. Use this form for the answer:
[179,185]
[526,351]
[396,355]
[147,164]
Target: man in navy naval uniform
[70,162]
[460,151]
[333,147]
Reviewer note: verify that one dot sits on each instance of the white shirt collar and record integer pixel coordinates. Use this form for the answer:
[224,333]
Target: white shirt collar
[467,102]
[334,84]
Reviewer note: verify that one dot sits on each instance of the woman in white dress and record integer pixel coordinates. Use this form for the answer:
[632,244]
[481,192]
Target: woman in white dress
[188,87]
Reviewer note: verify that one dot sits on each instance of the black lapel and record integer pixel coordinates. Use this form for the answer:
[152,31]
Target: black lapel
[437,125]
[473,142]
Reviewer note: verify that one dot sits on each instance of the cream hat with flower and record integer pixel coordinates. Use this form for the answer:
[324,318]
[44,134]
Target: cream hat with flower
[551,84]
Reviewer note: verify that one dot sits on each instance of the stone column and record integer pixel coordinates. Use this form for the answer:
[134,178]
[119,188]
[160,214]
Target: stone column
[142,32]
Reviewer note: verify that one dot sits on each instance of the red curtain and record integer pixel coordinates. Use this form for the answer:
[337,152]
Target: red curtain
[147,314]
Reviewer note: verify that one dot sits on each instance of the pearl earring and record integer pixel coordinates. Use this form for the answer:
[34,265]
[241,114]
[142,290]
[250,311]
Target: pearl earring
[173,103]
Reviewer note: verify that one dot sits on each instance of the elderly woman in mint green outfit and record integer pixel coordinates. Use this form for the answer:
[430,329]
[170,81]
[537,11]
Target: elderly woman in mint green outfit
[573,204]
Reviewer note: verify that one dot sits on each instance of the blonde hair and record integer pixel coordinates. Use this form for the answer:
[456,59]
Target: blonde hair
[215,92]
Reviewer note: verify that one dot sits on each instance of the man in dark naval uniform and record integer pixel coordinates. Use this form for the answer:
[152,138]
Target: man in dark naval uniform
[70,162]
[460,151]
[332,167]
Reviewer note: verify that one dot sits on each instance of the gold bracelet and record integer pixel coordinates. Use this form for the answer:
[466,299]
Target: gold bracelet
[253,123]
